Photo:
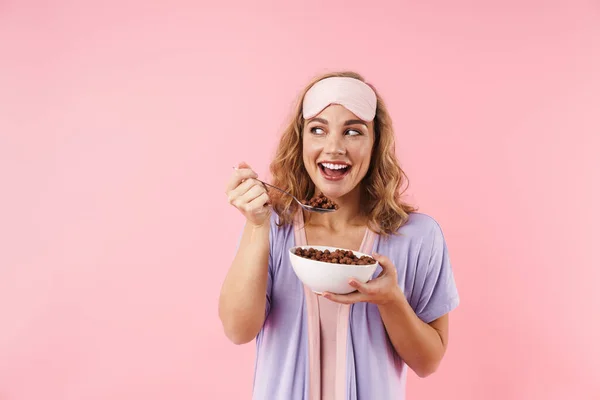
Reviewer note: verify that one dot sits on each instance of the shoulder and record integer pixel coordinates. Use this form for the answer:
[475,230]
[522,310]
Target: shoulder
[414,243]
[419,226]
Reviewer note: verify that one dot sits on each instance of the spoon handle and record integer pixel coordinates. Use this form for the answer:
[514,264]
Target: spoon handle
[281,190]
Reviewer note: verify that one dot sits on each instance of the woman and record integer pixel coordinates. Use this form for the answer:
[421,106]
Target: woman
[356,346]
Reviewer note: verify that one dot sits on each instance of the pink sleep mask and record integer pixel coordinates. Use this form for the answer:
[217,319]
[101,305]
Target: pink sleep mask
[353,94]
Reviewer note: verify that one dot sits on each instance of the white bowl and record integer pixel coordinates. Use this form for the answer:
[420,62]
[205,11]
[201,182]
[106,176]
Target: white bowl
[322,276]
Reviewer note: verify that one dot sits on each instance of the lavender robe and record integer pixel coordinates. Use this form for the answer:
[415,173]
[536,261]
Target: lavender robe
[287,347]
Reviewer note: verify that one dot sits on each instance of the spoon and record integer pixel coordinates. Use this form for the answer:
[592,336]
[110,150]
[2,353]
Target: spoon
[304,206]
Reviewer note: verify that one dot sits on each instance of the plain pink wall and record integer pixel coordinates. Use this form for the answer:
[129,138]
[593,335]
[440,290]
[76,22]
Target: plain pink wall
[120,122]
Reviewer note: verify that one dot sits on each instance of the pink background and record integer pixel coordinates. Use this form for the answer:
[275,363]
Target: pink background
[121,121]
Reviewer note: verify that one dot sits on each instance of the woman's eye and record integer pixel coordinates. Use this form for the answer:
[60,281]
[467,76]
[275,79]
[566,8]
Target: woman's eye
[353,132]
[317,130]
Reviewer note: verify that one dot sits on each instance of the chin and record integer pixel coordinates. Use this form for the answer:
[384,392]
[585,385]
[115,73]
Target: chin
[333,191]
[333,195]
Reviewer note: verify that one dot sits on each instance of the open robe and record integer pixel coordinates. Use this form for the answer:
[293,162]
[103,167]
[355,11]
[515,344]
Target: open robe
[287,365]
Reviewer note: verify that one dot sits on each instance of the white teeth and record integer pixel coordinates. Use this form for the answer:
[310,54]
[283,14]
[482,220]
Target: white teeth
[334,166]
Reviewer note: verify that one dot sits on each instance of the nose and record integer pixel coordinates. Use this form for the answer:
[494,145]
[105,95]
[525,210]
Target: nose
[334,144]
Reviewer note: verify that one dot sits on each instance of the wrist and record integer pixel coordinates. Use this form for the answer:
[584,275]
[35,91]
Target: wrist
[259,226]
[395,299]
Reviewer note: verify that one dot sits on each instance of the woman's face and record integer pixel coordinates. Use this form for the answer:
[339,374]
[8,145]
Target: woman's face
[336,150]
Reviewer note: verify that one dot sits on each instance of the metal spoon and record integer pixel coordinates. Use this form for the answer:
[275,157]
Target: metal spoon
[304,206]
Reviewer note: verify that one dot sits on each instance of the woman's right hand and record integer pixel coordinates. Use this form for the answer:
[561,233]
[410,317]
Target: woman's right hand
[248,195]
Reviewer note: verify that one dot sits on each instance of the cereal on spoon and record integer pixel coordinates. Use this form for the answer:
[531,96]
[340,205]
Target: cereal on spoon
[321,201]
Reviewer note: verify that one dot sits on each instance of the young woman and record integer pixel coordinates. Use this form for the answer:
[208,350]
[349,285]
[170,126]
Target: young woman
[356,346]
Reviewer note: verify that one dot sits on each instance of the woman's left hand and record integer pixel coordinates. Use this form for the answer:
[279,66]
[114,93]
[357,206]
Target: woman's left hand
[380,290]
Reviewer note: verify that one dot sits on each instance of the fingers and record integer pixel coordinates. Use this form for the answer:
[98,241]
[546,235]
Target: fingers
[256,190]
[242,189]
[254,200]
[386,263]
[246,193]
[349,298]
[258,204]
[369,288]
[379,290]
[242,173]
[365,292]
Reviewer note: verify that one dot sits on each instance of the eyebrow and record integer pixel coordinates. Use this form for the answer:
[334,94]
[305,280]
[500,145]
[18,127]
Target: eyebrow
[355,122]
[349,122]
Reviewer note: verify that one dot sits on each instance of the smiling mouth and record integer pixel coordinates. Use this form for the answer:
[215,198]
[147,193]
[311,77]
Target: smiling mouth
[334,171]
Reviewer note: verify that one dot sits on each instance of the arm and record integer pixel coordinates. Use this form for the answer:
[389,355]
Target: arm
[422,346]
[243,294]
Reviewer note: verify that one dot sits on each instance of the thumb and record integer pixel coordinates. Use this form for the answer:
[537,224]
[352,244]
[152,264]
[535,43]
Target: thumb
[244,164]
[383,261]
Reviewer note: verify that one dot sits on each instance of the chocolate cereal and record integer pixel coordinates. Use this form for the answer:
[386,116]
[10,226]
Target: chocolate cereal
[320,201]
[335,257]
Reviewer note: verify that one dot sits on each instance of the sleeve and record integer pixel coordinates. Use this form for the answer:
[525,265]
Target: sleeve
[438,293]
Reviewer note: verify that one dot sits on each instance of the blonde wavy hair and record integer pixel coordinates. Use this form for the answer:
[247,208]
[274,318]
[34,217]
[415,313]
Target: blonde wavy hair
[381,188]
